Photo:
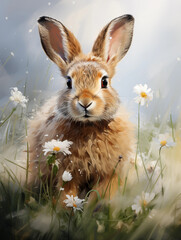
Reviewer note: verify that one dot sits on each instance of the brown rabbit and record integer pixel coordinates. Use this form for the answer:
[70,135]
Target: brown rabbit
[87,111]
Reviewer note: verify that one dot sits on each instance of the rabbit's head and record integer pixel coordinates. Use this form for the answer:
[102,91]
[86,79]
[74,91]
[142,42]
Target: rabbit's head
[88,95]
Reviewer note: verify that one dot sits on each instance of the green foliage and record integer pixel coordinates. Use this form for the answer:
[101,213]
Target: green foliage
[51,159]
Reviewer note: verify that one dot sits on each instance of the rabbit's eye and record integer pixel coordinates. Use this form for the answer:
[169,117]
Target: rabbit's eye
[69,82]
[104,81]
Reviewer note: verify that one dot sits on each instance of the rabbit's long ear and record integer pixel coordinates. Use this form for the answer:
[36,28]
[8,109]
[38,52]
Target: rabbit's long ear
[59,43]
[114,40]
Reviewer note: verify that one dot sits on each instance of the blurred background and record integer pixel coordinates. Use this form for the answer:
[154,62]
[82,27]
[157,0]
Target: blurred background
[154,57]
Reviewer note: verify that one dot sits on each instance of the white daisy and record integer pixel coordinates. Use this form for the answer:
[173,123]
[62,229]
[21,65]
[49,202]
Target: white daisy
[66,176]
[165,140]
[142,201]
[74,202]
[18,98]
[56,146]
[145,94]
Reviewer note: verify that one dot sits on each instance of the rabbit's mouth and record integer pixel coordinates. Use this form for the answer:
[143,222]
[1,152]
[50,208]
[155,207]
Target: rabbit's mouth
[86,116]
[86,113]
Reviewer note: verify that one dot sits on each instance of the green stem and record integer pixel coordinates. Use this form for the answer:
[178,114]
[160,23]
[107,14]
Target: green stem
[4,109]
[27,163]
[14,127]
[59,194]
[137,148]
[153,172]
[40,179]
[7,131]
[111,177]
[40,193]
[15,163]
[160,160]
[157,180]
[13,110]
[152,232]
[93,190]
[171,122]
[27,155]
[69,224]
[8,58]
[125,183]
[144,167]
[21,117]
[161,169]
[51,183]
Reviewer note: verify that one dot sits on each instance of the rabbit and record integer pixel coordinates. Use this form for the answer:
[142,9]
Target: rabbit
[87,111]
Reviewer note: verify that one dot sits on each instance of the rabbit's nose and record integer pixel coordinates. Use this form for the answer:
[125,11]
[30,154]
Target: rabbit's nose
[84,105]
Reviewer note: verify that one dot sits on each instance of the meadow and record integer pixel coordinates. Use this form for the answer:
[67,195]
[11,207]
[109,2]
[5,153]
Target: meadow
[147,205]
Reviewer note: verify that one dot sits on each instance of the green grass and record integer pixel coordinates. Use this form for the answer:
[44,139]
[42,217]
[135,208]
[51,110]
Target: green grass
[27,215]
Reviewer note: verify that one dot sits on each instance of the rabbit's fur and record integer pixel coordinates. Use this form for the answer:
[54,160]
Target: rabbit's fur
[89,115]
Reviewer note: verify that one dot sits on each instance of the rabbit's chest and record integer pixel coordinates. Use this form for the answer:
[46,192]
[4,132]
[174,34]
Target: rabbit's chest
[96,148]
[96,153]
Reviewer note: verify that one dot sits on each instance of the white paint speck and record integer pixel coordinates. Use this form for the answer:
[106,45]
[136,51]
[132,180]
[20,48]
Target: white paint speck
[6,18]
[49,3]
[178,59]
[27,72]
[30,30]
[12,54]
[46,135]
[73,2]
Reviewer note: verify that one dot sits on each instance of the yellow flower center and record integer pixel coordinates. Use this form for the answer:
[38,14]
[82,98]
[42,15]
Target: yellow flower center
[74,205]
[143,95]
[143,203]
[56,149]
[163,142]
